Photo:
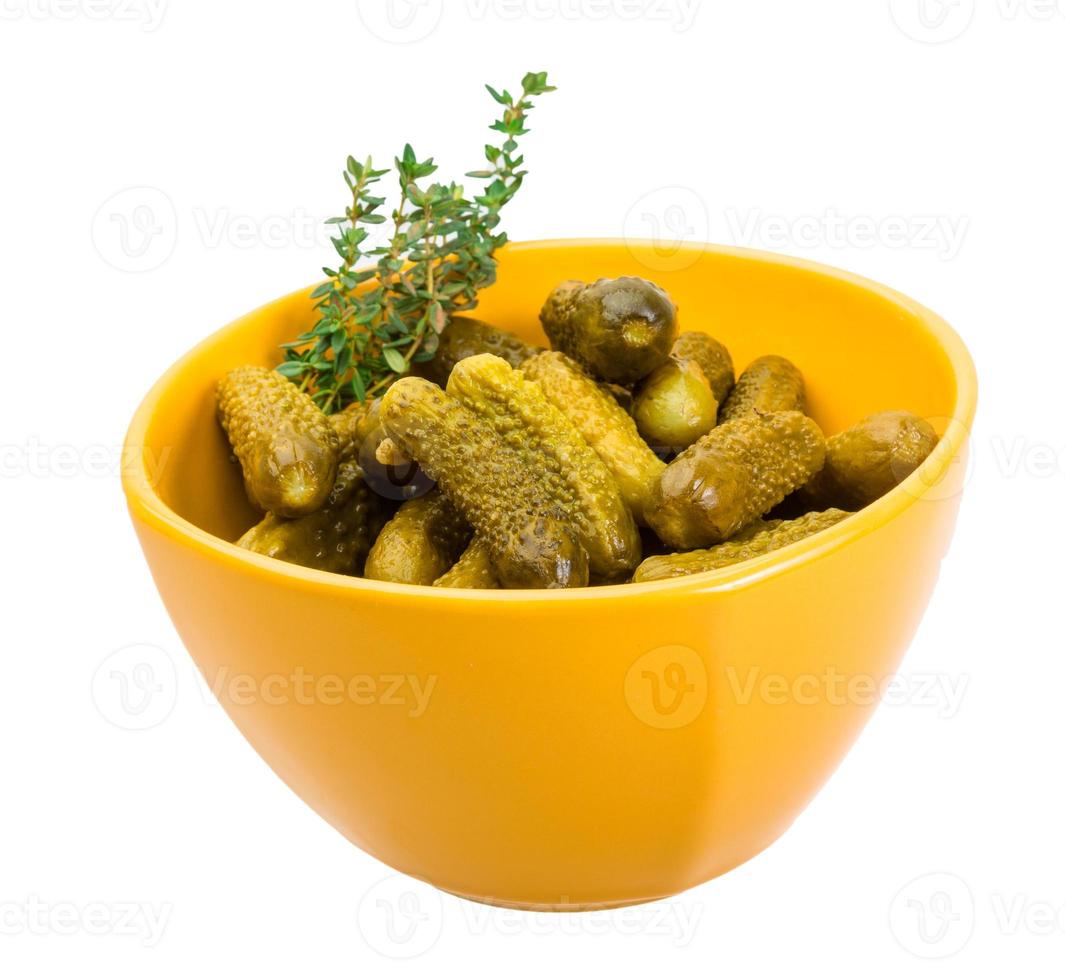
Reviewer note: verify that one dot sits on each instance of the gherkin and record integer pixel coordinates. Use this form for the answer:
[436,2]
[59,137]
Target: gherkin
[353,424]
[548,443]
[521,515]
[335,538]
[465,337]
[286,446]
[712,356]
[769,384]
[675,405]
[733,475]
[620,330]
[420,543]
[603,423]
[473,570]
[756,540]
[864,462]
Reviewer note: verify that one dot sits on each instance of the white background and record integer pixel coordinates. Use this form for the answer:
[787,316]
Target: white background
[925,152]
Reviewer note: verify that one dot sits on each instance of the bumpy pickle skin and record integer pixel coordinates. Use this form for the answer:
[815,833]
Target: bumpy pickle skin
[519,514]
[335,538]
[548,443]
[286,446]
[767,536]
[420,543]
[353,424]
[603,423]
[712,356]
[864,462]
[473,570]
[733,475]
[675,406]
[619,330]
[465,337]
[769,384]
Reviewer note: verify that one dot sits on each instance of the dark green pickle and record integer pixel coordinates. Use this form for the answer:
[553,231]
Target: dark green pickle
[335,538]
[464,337]
[420,543]
[619,330]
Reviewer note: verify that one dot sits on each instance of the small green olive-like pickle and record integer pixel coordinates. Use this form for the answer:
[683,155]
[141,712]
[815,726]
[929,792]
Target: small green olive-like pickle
[736,473]
[286,446]
[619,330]
[864,462]
[675,406]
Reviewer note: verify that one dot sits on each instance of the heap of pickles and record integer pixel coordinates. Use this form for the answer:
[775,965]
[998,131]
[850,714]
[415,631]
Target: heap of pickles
[629,451]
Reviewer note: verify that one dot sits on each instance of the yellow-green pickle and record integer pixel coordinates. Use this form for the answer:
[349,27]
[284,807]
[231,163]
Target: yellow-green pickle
[473,570]
[352,426]
[620,330]
[464,337]
[867,460]
[604,425]
[757,539]
[675,405]
[520,515]
[769,384]
[335,538]
[547,442]
[733,475]
[420,543]
[287,448]
[712,356]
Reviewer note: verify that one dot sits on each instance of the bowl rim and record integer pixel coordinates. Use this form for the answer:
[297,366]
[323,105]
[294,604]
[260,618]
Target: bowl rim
[145,503]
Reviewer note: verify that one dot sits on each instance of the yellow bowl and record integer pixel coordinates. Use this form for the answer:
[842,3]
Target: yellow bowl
[589,748]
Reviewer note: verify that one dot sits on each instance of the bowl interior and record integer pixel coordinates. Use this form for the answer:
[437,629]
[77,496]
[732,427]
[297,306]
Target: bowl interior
[861,347]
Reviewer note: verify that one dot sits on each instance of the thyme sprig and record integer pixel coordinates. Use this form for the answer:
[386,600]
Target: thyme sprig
[376,320]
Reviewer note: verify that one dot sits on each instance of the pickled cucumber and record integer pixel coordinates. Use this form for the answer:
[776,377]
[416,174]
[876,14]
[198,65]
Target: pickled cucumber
[547,442]
[473,570]
[675,405]
[420,543]
[757,539]
[731,476]
[712,356]
[769,384]
[335,538]
[464,337]
[353,424]
[603,423]
[867,460]
[520,515]
[617,329]
[287,448]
